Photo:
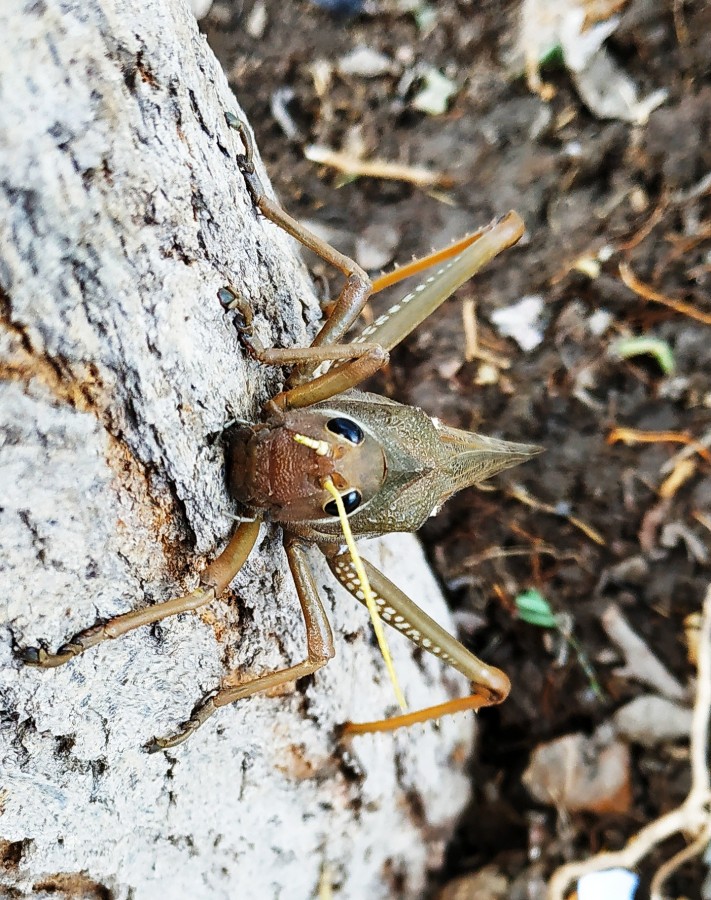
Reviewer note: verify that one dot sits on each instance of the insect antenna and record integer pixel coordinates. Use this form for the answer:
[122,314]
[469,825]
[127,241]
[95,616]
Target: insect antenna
[367,590]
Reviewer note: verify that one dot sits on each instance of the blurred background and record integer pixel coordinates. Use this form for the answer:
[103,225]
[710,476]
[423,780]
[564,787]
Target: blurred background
[393,127]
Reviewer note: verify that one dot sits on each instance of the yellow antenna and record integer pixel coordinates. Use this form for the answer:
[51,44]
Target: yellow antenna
[367,590]
[320,448]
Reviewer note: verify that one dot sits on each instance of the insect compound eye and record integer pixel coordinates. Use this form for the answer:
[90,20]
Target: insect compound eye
[351,501]
[345,428]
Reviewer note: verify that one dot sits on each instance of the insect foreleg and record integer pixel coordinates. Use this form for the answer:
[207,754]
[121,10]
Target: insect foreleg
[335,381]
[213,581]
[357,288]
[360,360]
[319,643]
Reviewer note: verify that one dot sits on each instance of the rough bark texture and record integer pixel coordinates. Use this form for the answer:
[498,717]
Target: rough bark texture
[121,213]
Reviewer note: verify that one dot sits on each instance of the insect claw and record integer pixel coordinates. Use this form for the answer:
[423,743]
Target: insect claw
[232,301]
[41,657]
[252,347]
[246,160]
[31,656]
[273,411]
[226,298]
[340,732]
[202,711]
[233,121]
[155,745]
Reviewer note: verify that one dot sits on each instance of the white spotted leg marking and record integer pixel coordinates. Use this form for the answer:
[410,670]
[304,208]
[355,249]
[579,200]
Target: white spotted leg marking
[456,265]
[490,685]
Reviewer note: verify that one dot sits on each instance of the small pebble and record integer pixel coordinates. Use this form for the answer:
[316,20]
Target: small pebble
[365,63]
[651,720]
[257,21]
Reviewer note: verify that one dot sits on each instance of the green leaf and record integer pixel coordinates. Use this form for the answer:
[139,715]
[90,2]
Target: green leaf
[534,609]
[650,346]
[552,57]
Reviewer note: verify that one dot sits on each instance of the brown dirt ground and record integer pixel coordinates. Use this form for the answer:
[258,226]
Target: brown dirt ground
[581,184]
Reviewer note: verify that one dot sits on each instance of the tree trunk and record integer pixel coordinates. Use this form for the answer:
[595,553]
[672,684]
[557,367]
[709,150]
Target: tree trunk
[121,214]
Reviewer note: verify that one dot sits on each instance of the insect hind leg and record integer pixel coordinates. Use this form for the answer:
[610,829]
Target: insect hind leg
[490,686]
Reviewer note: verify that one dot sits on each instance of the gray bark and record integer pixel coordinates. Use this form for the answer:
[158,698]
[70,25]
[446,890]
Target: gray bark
[121,214]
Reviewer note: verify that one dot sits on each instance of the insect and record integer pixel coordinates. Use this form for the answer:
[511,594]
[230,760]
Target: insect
[327,457]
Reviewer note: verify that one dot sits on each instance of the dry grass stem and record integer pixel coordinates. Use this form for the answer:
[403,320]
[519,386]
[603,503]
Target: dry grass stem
[693,446]
[472,346]
[377,168]
[649,225]
[492,553]
[471,337]
[681,473]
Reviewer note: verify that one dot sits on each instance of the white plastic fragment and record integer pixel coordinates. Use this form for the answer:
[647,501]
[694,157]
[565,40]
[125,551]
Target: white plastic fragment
[611,94]
[610,884]
[521,321]
[376,246]
[640,663]
[280,100]
[256,23]
[580,45]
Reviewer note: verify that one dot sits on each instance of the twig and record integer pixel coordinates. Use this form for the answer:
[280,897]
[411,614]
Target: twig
[694,446]
[472,348]
[492,553]
[377,168]
[648,226]
[686,242]
[471,336]
[682,472]
[518,492]
[671,865]
[633,436]
[700,189]
[648,293]
[693,817]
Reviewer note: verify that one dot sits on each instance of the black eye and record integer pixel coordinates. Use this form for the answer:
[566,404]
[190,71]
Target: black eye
[345,428]
[351,501]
